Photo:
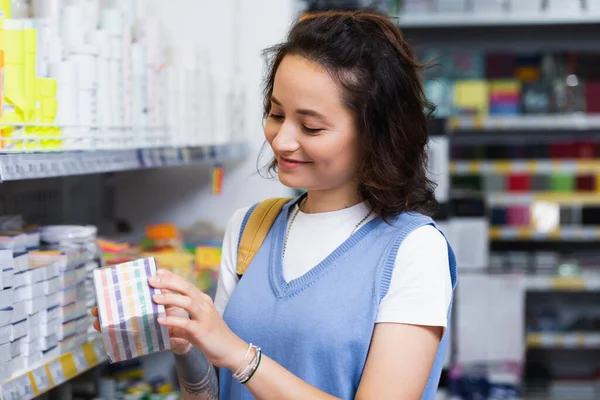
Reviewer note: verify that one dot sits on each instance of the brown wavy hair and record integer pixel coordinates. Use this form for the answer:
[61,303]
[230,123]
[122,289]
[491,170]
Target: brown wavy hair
[367,56]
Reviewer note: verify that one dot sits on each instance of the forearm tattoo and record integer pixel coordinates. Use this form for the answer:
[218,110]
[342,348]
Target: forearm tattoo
[197,375]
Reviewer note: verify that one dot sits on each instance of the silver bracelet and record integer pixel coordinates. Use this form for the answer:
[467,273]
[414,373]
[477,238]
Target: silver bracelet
[237,371]
[251,367]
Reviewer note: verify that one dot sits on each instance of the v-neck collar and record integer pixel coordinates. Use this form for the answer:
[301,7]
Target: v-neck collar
[280,286]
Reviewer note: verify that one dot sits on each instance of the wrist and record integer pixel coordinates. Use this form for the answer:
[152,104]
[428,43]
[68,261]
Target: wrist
[236,356]
[184,351]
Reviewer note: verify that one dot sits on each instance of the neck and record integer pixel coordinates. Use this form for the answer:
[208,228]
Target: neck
[320,201]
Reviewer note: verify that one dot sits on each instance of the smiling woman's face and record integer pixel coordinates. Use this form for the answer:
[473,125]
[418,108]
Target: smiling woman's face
[313,136]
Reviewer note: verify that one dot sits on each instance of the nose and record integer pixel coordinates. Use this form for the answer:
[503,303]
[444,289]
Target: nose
[286,139]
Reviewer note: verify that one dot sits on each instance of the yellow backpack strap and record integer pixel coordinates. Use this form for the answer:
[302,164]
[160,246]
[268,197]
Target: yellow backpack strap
[255,230]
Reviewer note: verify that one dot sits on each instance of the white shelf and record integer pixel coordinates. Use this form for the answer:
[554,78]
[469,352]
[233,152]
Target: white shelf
[28,384]
[449,20]
[584,283]
[504,167]
[575,122]
[21,166]
[584,234]
[575,340]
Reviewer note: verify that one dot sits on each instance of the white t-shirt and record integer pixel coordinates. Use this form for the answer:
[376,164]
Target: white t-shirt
[420,290]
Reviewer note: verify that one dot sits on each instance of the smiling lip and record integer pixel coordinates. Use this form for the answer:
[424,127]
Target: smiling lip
[288,163]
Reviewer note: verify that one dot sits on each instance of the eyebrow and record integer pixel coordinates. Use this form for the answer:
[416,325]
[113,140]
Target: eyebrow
[304,111]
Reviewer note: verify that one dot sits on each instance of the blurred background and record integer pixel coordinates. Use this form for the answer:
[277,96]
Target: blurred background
[132,128]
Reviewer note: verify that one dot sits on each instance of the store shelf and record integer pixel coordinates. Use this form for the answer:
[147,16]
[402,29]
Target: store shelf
[53,164]
[563,340]
[552,122]
[582,198]
[449,20]
[584,283]
[583,234]
[48,374]
[503,167]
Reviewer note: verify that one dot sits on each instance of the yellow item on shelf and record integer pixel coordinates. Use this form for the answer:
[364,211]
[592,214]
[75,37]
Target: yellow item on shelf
[5,9]
[208,257]
[30,46]
[505,86]
[1,84]
[472,97]
[14,69]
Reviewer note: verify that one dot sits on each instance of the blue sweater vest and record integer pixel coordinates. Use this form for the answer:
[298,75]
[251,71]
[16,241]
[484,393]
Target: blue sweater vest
[319,326]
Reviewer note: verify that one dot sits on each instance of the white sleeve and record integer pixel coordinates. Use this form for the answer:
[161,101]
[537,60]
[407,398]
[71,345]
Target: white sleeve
[228,278]
[421,288]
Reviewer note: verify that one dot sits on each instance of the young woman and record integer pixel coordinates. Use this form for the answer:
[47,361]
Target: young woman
[350,293]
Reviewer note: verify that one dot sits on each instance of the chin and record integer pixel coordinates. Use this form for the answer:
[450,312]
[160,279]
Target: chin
[293,182]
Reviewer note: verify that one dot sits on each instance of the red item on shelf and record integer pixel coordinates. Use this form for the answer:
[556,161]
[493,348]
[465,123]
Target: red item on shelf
[518,216]
[562,150]
[519,183]
[585,150]
[586,183]
[592,97]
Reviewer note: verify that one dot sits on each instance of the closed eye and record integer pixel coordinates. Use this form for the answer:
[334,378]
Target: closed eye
[276,117]
[311,130]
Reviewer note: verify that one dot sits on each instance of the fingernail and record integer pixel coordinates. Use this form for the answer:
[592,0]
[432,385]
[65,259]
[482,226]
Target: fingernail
[161,320]
[159,297]
[161,272]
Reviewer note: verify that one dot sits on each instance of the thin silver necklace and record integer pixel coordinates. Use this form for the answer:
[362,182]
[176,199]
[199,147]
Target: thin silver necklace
[297,210]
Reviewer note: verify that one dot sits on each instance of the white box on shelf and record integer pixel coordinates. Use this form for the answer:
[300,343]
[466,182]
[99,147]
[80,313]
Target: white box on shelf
[53,300]
[19,312]
[15,242]
[52,286]
[18,364]
[7,278]
[6,298]
[6,316]
[50,314]
[18,330]
[29,345]
[15,348]
[50,327]
[33,359]
[21,261]
[6,263]
[51,353]
[5,353]
[6,370]
[35,305]
[49,342]
[28,292]
[66,330]
[51,270]
[5,333]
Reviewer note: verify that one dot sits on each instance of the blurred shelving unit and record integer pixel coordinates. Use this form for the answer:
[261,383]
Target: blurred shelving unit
[534,162]
[50,373]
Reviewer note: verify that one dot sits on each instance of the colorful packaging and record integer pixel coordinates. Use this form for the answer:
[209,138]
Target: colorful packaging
[128,316]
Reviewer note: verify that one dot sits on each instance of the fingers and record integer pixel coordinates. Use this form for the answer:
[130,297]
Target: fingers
[176,300]
[95,312]
[181,326]
[97,325]
[167,280]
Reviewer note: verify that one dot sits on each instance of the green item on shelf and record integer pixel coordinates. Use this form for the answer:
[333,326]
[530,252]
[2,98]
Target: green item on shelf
[562,183]
[467,182]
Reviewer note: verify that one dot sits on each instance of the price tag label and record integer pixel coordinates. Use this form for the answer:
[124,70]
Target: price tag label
[571,340]
[42,382]
[56,372]
[10,391]
[79,359]
[24,387]
[548,340]
[591,340]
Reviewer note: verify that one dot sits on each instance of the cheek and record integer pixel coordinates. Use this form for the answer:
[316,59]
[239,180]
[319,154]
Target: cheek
[270,130]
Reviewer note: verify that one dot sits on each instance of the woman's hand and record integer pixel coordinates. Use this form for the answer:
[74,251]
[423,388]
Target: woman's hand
[179,345]
[204,328]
